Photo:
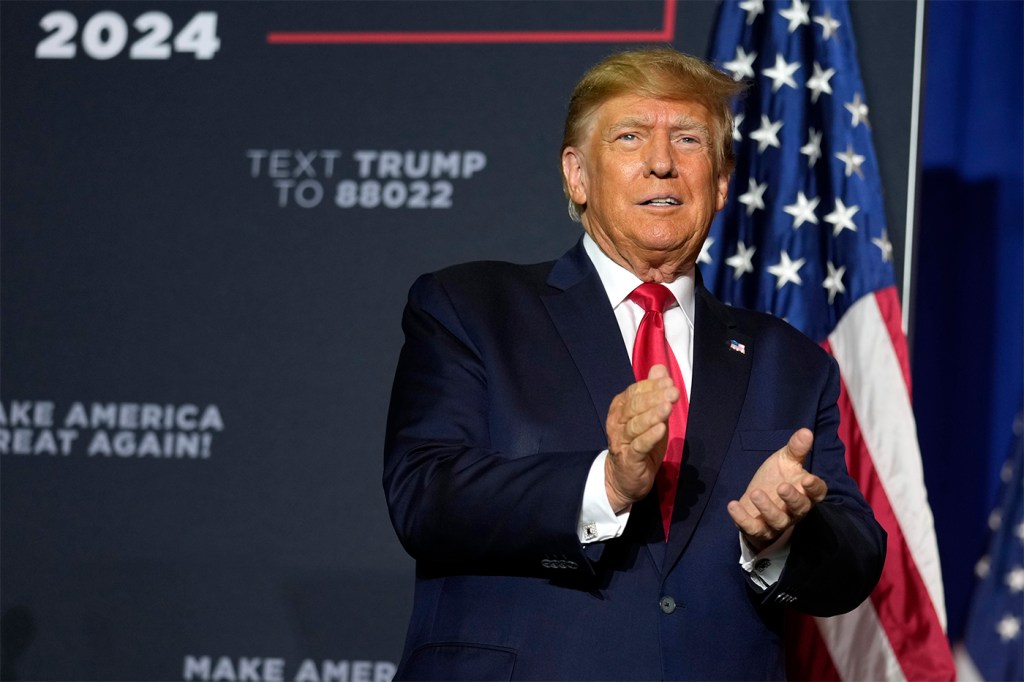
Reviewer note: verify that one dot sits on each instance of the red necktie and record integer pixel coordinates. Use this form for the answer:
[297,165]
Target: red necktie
[651,348]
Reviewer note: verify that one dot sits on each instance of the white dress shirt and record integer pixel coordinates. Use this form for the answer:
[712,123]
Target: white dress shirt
[598,521]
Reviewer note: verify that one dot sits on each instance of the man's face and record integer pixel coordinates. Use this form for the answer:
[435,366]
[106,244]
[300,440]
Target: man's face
[646,174]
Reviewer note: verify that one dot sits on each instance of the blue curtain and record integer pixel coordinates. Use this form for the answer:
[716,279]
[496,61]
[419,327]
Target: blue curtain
[967,332]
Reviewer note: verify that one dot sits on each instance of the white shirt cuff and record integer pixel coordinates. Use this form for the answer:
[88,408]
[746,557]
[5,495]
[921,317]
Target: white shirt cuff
[765,566]
[598,521]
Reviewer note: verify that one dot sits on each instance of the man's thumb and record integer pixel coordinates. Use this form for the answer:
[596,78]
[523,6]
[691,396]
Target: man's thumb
[799,445]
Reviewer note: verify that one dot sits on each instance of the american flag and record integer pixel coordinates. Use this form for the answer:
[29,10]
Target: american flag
[803,236]
[994,638]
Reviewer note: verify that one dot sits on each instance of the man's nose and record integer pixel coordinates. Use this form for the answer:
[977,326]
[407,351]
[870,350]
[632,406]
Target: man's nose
[660,161]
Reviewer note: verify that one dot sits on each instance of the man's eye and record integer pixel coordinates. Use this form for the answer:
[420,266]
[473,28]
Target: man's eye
[628,137]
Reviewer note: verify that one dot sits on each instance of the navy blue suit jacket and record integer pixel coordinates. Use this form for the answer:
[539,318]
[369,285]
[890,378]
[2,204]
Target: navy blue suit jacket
[498,411]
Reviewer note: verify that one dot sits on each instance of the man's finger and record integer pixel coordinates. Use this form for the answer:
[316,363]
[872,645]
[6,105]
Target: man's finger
[647,442]
[653,395]
[641,423]
[797,502]
[743,520]
[773,514]
[814,487]
[636,399]
[657,372]
[752,527]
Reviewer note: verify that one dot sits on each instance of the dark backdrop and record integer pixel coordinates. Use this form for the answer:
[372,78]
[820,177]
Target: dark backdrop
[207,237]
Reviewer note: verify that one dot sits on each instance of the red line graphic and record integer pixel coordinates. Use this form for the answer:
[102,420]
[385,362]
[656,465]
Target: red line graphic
[665,34]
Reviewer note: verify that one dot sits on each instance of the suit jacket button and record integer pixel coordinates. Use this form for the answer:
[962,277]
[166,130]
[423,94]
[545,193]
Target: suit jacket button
[667,604]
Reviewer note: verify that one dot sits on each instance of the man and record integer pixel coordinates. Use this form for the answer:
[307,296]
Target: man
[533,439]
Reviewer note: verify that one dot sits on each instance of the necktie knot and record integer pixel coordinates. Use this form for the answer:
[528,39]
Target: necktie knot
[652,296]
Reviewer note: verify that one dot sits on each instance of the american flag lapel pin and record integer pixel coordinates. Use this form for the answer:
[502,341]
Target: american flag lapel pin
[737,346]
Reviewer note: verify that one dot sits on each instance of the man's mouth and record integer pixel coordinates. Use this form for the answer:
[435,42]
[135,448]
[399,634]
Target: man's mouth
[662,201]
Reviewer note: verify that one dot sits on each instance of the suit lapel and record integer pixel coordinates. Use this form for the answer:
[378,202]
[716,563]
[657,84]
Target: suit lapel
[579,309]
[721,372]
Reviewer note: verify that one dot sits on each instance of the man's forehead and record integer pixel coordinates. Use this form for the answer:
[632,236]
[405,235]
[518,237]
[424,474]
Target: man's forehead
[640,109]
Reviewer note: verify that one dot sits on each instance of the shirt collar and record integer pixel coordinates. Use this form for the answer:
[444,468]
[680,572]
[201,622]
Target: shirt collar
[619,282]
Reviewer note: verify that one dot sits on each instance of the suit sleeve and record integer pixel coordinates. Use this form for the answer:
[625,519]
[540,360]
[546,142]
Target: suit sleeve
[838,549]
[455,500]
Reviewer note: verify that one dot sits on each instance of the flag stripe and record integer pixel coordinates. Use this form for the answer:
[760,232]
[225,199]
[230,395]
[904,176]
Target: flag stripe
[859,646]
[889,305]
[900,597]
[871,370]
[807,654]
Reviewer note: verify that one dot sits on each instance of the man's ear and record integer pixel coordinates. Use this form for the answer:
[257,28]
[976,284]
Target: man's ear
[722,194]
[574,175]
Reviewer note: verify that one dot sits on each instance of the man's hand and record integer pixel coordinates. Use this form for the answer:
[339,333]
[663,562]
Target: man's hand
[637,427]
[781,493]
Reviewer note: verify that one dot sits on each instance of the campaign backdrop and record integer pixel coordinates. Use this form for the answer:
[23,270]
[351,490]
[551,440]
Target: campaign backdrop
[211,214]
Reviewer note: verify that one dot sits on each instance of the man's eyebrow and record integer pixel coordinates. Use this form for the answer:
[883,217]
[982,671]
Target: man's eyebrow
[688,123]
[630,122]
[679,123]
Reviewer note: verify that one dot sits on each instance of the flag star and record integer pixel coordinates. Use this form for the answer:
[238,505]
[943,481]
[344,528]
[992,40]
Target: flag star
[1019,532]
[782,73]
[983,566]
[1008,628]
[853,161]
[796,15]
[812,150]
[995,519]
[705,251]
[753,198]
[767,135]
[752,8]
[742,66]
[786,270]
[834,281]
[737,121]
[742,260]
[885,245]
[1015,579]
[803,210]
[858,111]
[818,82]
[828,24]
[842,217]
